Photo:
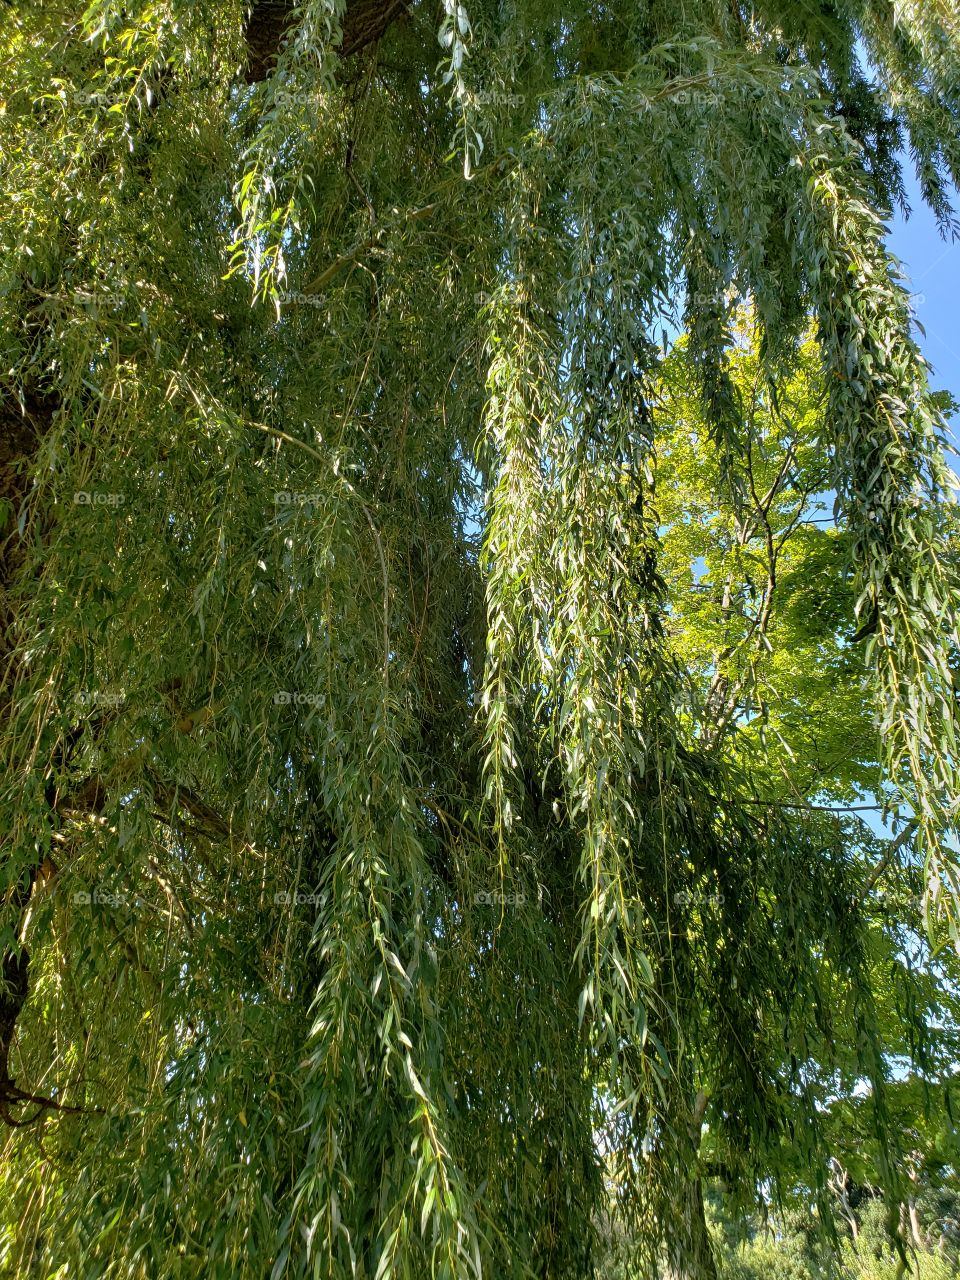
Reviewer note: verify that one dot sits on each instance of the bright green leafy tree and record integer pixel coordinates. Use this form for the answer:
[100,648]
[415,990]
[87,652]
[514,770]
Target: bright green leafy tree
[816,946]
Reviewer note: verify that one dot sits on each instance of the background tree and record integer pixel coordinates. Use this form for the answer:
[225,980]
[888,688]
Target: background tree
[810,923]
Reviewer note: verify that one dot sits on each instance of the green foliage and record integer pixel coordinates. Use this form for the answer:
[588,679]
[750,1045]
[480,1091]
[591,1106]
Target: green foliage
[416,867]
[788,1254]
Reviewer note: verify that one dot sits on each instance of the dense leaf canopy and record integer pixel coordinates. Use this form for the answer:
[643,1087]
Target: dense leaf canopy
[410,858]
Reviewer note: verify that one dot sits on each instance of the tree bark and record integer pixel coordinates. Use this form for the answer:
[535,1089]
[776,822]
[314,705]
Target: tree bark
[690,1250]
[364,22]
[689,1247]
[21,428]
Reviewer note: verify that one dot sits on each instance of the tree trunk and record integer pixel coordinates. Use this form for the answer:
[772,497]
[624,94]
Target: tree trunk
[364,22]
[689,1247]
[916,1231]
[690,1250]
[20,431]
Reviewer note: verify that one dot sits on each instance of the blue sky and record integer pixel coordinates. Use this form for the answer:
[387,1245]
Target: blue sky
[933,266]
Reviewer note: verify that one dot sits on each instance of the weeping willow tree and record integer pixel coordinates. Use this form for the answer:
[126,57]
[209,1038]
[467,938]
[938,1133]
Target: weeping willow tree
[353,760]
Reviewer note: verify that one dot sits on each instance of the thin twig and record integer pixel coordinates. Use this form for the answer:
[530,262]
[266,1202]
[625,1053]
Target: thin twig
[893,849]
[818,808]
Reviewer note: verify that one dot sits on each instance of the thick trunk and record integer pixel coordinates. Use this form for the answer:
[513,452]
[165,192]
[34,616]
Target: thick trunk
[910,1224]
[20,432]
[364,22]
[23,426]
[689,1248]
[690,1251]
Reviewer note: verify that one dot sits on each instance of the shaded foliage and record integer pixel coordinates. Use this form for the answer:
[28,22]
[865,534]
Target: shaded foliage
[358,734]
